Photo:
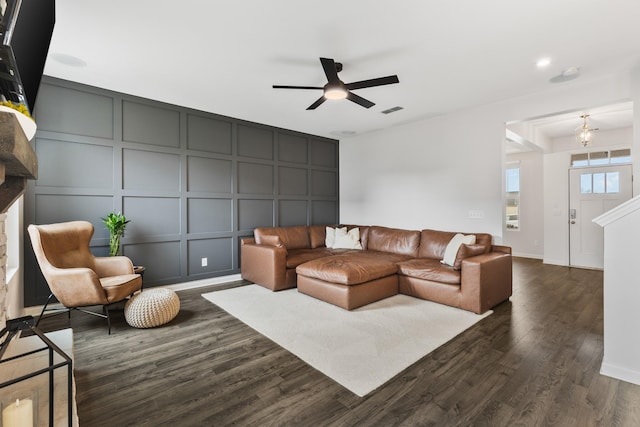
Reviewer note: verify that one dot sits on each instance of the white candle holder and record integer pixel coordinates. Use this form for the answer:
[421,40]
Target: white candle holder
[19,409]
[18,384]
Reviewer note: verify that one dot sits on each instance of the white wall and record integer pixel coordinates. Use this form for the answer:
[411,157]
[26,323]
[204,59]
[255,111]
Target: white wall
[430,173]
[425,174]
[621,292]
[556,207]
[604,140]
[528,240]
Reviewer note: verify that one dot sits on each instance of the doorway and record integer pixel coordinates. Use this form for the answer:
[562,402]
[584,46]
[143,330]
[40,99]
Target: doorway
[592,192]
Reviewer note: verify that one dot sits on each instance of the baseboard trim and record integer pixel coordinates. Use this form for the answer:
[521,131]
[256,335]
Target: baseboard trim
[523,255]
[203,282]
[620,373]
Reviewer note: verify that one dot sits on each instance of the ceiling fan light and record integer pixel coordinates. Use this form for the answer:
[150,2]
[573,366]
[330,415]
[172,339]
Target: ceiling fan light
[335,93]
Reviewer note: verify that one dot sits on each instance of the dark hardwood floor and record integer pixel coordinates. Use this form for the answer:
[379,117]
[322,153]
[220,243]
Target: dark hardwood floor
[535,361]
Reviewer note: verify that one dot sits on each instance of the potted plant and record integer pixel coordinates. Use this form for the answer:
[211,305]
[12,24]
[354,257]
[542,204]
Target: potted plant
[115,223]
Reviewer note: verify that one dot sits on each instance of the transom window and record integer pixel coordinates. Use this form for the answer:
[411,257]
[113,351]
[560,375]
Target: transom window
[601,158]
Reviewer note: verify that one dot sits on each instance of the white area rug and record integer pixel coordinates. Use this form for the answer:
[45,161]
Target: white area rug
[360,349]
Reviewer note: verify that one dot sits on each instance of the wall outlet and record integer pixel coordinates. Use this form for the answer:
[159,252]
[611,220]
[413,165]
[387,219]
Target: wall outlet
[204,262]
[476,213]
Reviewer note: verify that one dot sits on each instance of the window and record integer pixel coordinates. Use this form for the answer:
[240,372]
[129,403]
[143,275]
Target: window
[513,198]
[600,158]
[600,183]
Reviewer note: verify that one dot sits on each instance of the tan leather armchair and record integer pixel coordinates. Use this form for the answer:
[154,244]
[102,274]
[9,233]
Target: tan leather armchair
[75,276]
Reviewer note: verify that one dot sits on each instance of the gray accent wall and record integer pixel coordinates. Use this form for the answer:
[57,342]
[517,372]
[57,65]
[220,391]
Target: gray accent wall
[192,183]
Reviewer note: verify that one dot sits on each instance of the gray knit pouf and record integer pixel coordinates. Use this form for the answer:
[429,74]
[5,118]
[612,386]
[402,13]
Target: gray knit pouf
[152,307]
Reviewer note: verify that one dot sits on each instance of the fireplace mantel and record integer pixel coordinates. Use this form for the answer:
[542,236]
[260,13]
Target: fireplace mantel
[18,161]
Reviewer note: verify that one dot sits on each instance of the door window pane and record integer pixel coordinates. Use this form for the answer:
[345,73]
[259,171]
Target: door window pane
[613,182]
[585,183]
[598,183]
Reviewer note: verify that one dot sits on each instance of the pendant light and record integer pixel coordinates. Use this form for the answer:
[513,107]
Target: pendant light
[585,134]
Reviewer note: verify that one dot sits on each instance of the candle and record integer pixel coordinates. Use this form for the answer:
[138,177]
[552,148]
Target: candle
[18,414]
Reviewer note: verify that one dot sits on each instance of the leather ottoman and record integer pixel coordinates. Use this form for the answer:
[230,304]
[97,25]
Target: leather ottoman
[348,281]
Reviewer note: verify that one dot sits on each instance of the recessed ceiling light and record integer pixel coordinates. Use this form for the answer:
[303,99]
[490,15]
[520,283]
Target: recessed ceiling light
[70,60]
[571,71]
[543,62]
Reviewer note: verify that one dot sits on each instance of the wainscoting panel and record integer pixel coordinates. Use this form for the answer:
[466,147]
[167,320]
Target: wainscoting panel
[136,121]
[292,181]
[209,175]
[323,183]
[292,148]
[161,259]
[84,113]
[192,183]
[152,217]
[209,215]
[51,208]
[254,213]
[255,178]
[92,164]
[255,142]
[148,170]
[208,134]
[293,212]
[218,253]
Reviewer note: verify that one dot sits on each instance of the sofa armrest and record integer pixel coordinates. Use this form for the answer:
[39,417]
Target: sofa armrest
[486,280]
[263,264]
[502,249]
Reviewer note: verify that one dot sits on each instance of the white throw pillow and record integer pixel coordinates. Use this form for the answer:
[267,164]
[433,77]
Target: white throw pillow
[347,240]
[330,236]
[454,244]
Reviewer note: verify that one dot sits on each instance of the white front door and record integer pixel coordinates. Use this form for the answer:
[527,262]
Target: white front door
[592,192]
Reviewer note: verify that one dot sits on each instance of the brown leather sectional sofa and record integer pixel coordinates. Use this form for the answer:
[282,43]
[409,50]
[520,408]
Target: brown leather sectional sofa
[392,261]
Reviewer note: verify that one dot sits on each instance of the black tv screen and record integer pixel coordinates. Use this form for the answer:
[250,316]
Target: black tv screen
[27,26]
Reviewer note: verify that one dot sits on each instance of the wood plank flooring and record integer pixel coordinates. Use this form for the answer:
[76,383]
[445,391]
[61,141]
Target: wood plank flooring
[534,362]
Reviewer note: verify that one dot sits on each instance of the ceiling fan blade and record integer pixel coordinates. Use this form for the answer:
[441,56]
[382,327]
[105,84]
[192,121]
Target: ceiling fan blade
[296,87]
[359,100]
[330,70]
[380,81]
[317,103]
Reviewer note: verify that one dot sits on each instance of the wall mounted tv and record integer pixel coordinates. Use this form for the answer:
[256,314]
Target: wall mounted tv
[26,27]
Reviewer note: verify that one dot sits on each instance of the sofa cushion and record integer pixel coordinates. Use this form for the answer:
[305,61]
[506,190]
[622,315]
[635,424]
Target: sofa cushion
[295,257]
[393,240]
[364,233]
[330,235]
[344,239]
[434,242]
[347,269]
[451,250]
[317,236]
[296,237]
[271,241]
[467,251]
[429,269]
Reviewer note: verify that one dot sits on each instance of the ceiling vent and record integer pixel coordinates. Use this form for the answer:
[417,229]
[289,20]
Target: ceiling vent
[391,110]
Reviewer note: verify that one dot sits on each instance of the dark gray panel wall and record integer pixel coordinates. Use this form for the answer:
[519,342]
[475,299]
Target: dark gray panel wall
[193,184]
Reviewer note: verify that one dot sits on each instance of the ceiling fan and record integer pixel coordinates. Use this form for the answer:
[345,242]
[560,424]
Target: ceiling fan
[337,89]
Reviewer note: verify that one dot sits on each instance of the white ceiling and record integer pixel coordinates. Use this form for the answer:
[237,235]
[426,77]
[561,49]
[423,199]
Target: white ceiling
[223,56]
